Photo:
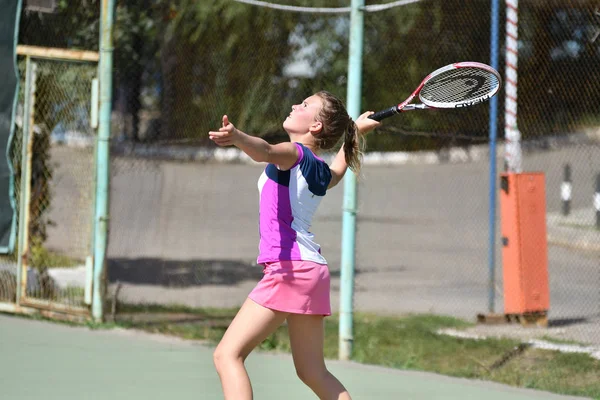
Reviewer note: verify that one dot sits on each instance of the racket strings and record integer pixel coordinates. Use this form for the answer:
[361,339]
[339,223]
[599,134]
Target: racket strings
[459,85]
[463,80]
[459,90]
[455,92]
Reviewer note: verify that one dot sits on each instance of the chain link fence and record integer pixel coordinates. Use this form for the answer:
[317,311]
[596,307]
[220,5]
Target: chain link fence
[179,236]
[60,196]
[183,224]
[53,151]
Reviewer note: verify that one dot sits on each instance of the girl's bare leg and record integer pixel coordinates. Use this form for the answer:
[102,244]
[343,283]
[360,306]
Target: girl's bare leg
[252,324]
[306,339]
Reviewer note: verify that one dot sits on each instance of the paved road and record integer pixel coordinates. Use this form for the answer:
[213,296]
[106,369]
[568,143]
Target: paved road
[186,233]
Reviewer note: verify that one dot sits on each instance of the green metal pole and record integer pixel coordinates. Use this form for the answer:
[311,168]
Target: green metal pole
[107,13]
[349,207]
[14,235]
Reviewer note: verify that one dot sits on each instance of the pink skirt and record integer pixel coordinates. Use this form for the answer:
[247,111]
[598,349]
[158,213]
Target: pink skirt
[297,287]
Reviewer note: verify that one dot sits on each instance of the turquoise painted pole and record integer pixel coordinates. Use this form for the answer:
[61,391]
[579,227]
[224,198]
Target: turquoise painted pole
[349,207]
[14,235]
[107,13]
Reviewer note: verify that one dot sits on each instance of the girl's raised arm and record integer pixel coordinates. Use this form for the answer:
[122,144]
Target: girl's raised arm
[284,155]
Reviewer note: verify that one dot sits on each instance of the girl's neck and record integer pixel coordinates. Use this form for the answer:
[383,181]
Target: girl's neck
[305,140]
[310,146]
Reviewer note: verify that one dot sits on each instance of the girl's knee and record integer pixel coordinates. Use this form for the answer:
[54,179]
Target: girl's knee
[222,356]
[217,358]
[312,376]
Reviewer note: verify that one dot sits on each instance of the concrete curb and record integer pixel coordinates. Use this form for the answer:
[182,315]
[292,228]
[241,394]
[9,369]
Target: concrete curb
[576,230]
[592,351]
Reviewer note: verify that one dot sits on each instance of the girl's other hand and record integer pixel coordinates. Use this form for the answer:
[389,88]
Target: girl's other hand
[365,124]
[227,134]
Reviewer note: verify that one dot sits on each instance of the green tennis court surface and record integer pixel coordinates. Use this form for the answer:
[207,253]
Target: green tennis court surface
[44,360]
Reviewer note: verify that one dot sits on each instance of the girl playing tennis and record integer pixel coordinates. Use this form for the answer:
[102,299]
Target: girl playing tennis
[295,285]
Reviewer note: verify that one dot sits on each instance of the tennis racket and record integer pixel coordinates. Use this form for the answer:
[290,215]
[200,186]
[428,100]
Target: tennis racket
[457,85]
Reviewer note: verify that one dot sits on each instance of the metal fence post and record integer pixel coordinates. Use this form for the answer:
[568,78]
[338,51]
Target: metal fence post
[494,49]
[349,207]
[103,158]
[25,186]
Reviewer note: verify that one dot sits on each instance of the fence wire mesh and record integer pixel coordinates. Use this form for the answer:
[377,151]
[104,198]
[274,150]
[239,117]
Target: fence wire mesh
[186,232]
[60,193]
[8,274]
[61,178]
[423,224]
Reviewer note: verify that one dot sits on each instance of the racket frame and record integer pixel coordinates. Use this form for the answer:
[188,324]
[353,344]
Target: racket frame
[404,106]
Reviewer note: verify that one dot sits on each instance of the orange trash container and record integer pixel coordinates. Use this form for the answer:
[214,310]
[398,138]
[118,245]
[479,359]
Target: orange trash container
[524,243]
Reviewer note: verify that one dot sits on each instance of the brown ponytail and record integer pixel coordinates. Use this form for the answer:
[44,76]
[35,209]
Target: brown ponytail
[353,147]
[337,123]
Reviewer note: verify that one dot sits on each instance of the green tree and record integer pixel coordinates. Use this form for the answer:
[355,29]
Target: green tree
[559,78]
[135,59]
[219,57]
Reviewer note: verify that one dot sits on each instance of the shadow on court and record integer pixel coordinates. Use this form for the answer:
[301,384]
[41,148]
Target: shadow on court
[178,273]
[188,273]
[558,322]
[50,361]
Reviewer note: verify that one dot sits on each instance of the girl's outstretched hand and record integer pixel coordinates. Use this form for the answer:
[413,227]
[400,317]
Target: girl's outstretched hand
[365,124]
[226,135]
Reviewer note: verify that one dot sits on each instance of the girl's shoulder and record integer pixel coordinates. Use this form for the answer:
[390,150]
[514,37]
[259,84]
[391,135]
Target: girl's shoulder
[310,156]
[315,171]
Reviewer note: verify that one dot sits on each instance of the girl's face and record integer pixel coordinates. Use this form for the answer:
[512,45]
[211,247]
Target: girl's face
[303,117]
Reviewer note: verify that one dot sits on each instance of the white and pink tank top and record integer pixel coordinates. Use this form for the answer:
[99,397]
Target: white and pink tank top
[288,201]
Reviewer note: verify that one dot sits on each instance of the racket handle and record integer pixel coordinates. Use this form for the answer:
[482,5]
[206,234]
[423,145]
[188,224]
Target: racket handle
[379,115]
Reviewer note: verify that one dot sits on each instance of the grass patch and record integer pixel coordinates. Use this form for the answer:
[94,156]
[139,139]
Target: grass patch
[408,342]
[8,259]
[181,321]
[74,294]
[42,257]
